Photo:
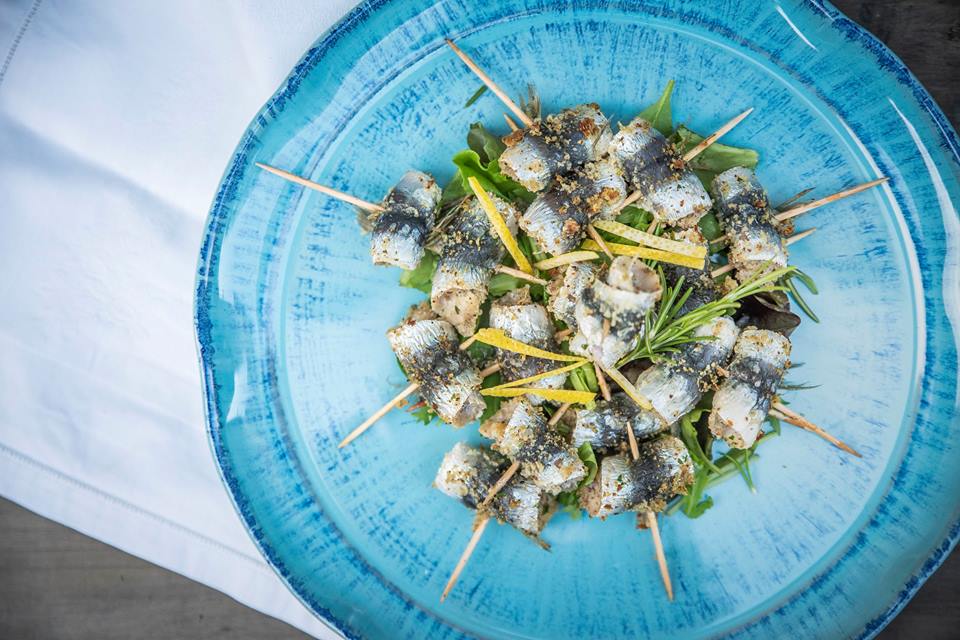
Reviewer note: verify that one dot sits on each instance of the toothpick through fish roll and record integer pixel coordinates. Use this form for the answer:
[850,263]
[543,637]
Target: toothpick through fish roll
[743,400]
[743,209]
[670,190]
[400,233]
[605,426]
[520,318]
[467,474]
[448,380]
[470,252]
[663,470]
[702,286]
[567,289]
[557,220]
[555,145]
[610,314]
[675,386]
[520,432]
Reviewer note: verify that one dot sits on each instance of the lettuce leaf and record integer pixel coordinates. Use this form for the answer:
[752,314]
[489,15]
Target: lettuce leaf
[659,113]
[422,277]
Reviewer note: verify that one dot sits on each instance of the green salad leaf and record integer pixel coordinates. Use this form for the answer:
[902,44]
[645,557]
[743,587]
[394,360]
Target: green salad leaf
[589,460]
[488,174]
[422,277]
[492,404]
[716,158]
[659,114]
[487,145]
[476,96]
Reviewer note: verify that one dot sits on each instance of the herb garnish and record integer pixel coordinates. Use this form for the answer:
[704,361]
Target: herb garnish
[665,331]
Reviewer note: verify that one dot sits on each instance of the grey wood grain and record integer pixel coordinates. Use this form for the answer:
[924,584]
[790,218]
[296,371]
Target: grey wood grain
[56,583]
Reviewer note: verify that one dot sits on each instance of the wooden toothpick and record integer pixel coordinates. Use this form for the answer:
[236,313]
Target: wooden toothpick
[465,556]
[786,414]
[504,98]
[595,236]
[382,411]
[661,556]
[602,382]
[333,193]
[510,123]
[501,482]
[559,336]
[555,418]
[840,195]
[523,275]
[799,236]
[716,135]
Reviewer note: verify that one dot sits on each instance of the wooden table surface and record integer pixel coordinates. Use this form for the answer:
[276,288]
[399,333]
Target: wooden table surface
[56,583]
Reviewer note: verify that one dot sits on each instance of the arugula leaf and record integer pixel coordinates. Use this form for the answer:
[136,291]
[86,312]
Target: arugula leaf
[635,217]
[659,114]
[570,503]
[476,95]
[584,379]
[480,352]
[468,162]
[487,145]
[710,226]
[716,158]
[695,504]
[590,461]
[492,404]
[502,283]
[422,277]
[424,414]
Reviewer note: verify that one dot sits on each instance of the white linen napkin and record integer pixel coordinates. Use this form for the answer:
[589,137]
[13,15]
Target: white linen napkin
[116,121]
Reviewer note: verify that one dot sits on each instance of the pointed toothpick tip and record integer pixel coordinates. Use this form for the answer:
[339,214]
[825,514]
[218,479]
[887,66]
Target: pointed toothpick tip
[464,557]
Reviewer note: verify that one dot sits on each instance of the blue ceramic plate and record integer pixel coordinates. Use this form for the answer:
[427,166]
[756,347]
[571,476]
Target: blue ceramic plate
[291,318]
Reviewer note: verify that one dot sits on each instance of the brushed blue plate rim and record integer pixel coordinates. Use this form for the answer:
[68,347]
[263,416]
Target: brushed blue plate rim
[215,226]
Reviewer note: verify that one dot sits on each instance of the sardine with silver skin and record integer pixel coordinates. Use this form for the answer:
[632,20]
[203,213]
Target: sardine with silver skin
[448,380]
[520,318]
[520,432]
[675,386]
[670,190]
[663,470]
[467,474]
[470,252]
[605,426]
[743,400]
[610,314]
[567,289]
[557,220]
[754,243]
[702,286]
[555,145]
[400,233]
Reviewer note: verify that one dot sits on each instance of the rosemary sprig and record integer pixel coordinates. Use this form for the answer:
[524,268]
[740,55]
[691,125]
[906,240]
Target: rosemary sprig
[664,331]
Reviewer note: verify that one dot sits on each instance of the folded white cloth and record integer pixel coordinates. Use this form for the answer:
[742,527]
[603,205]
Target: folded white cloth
[116,121]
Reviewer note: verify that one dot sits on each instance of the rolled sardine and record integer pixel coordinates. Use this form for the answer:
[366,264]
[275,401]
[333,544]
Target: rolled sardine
[520,432]
[470,252]
[605,426]
[670,190]
[555,145]
[567,289]
[400,233]
[522,319]
[467,474]
[663,470]
[448,380]
[675,386]
[610,314]
[743,400]
[557,220]
[754,243]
